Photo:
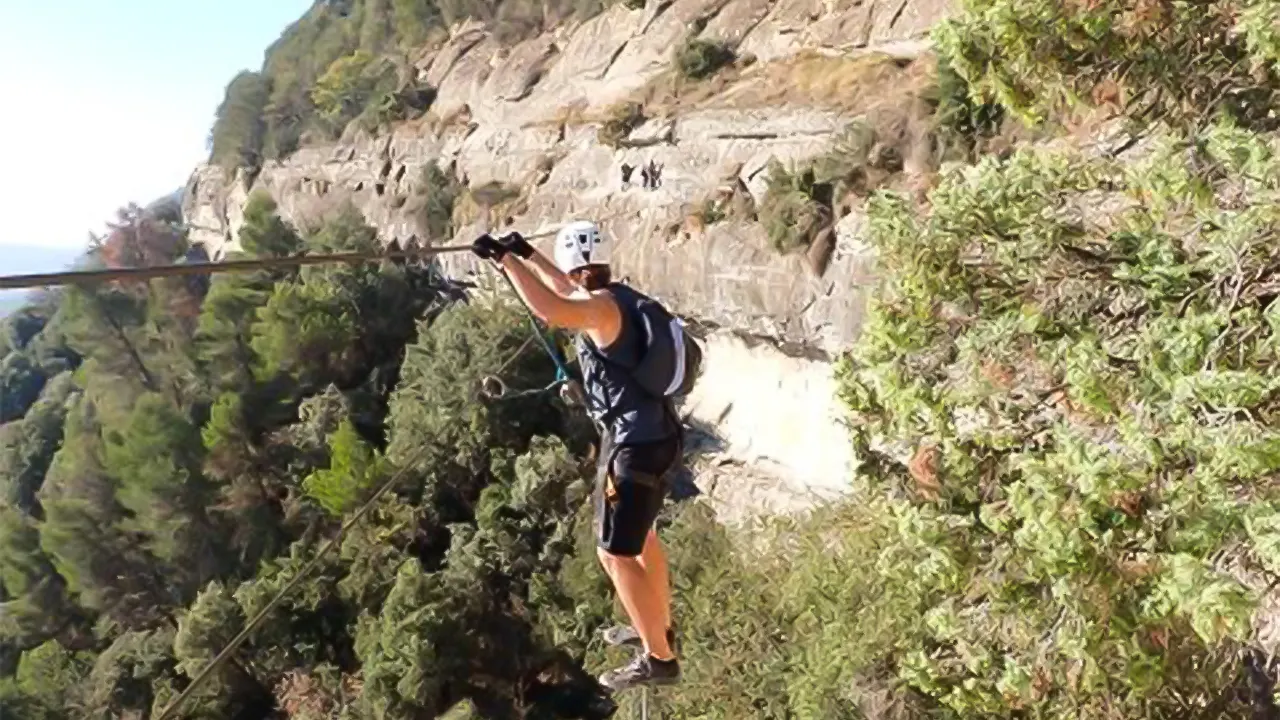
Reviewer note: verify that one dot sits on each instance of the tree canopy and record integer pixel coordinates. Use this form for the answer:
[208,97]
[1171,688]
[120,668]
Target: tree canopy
[1063,405]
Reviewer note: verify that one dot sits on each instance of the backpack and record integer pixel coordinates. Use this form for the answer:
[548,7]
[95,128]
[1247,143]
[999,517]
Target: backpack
[672,359]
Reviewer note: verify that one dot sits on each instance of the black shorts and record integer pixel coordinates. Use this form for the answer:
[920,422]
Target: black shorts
[629,493]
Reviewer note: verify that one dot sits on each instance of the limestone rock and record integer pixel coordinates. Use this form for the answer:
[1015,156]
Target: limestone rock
[514,77]
[526,117]
[774,410]
[736,19]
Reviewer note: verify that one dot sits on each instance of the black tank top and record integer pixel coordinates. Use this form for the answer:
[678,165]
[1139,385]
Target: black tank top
[617,404]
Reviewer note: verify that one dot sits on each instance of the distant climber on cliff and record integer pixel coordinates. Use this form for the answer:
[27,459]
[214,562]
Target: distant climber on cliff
[635,360]
[626,176]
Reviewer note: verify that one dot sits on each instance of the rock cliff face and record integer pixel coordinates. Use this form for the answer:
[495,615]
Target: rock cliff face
[527,117]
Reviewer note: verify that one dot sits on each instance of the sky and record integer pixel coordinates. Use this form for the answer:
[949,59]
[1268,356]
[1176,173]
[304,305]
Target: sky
[103,102]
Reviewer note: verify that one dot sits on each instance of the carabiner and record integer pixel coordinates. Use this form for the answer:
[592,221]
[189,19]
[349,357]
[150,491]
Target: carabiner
[492,387]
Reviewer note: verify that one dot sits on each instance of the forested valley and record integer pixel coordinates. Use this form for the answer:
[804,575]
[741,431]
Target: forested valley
[1064,404]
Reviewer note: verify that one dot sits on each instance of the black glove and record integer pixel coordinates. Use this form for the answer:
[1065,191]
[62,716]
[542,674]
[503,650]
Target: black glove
[486,248]
[515,242]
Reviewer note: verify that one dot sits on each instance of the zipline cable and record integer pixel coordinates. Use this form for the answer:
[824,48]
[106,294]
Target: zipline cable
[76,277]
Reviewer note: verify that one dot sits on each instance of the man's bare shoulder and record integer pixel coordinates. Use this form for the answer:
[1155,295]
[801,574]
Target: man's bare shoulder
[606,315]
[601,300]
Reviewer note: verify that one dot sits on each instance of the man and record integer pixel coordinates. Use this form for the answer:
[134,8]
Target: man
[641,436]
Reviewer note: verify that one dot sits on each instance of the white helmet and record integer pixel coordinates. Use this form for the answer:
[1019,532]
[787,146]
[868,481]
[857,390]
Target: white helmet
[579,244]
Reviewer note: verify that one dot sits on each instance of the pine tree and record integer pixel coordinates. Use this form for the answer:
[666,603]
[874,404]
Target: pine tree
[156,461]
[230,309]
[108,569]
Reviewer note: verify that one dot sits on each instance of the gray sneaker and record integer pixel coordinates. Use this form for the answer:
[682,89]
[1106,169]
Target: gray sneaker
[642,671]
[626,635]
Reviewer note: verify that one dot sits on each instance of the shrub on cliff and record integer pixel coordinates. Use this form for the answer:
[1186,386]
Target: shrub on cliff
[620,119]
[239,131]
[1069,377]
[791,214]
[962,121]
[346,88]
[1180,62]
[697,59]
[433,202]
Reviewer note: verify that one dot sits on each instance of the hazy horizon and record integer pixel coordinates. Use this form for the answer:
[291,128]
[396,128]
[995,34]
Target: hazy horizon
[112,103]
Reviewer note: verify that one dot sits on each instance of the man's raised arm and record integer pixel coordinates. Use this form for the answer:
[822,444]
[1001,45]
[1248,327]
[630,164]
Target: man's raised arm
[592,313]
[546,270]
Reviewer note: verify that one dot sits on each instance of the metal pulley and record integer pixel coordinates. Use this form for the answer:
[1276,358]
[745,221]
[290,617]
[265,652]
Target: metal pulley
[572,395]
[492,387]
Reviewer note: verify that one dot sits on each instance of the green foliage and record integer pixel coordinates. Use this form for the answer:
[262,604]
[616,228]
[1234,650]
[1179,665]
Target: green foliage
[27,446]
[185,473]
[861,159]
[1078,347]
[123,679]
[342,92]
[436,408]
[307,330]
[312,324]
[50,675]
[239,130]
[1176,62]
[224,329]
[962,120]
[791,215]
[799,201]
[415,21]
[106,569]
[433,202]
[353,469]
[709,212]
[390,104]
[293,63]
[417,653]
[37,607]
[155,459]
[697,59]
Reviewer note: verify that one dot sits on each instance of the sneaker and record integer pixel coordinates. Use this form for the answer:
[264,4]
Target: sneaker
[643,670]
[620,635]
